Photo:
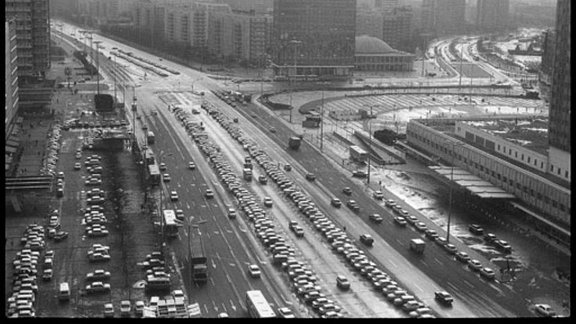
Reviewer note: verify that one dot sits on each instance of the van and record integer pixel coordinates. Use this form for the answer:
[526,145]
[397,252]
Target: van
[64,292]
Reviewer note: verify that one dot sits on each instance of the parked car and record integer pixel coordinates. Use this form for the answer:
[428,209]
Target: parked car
[125,308]
[367,239]
[476,229]
[544,310]
[97,287]
[378,195]
[336,202]
[487,273]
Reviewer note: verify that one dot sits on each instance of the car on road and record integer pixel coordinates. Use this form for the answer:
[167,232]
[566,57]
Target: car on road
[342,282]
[376,218]
[254,271]
[352,204]
[298,231]
[60,236]
[399,220]
[420,226]
[441,241]
[125,308]
[163,166]
[347,191]
[268,202]
[97,287]
[450,248]
[97,232]
[108,310]
[47,274]
[503,246]
[359,174]
[173,195]
[77,166]
[476,229]
[367,239]
[209,193]
[191,165]
[444,297]
[431,234]
[474,265]
[462,257]
[490,238]
[487,273]
[166,177]
[232,213]
[98,257]
[544,310]
[98,275]
[336,202]
[310,176]
[285,312]
[272,130]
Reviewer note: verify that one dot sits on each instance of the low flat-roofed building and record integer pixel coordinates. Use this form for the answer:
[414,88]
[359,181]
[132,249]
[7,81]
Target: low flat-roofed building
[492,150]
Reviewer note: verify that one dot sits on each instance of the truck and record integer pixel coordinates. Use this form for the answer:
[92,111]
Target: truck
[357,154]
[417,245]
[247,174]
[294,142]
[198,260]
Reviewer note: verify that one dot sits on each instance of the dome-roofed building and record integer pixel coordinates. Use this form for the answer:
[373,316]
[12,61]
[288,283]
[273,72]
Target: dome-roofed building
[373,54]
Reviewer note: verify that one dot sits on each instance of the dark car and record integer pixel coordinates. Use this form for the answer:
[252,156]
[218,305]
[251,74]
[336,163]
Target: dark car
[443,297]
[367,239]
[376,218]
[359,174]
[347,191]
[310,176]
[352,204]
[476,229]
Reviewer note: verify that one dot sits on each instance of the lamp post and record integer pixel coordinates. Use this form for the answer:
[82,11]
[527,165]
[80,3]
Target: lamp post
[295,43]
[369,144]
[160,156]
[453,153]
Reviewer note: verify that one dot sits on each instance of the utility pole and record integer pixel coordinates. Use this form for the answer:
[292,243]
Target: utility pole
[295,43]
[370,146]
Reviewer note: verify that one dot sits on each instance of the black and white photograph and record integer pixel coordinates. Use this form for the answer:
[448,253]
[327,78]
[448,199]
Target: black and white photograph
[356,159]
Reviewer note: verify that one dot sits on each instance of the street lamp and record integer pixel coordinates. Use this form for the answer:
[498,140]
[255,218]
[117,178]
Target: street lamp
[453,153]
[369,143]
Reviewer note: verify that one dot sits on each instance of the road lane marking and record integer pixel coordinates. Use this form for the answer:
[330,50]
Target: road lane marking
[232,305]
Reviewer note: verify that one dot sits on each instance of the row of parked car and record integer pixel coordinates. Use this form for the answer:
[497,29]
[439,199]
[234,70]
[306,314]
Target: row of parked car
[302,278]
[25,272]
[403,217]
[52,149]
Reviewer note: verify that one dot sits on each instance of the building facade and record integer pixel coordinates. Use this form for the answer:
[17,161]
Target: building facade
[32,19]
[239,36]
[559,135]
[492,15]
[10,76]
[536,191]
[444,17]
[374,55]
[313,38]
[547,63]
[369,22]
[396,27]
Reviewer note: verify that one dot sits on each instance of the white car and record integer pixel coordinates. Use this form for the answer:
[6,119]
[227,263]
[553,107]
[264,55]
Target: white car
[191,166]
[163,166]
[285,312]
[173,195]
[254,271]
[98,286]
[268,202]
[108,310]
[77,166]
[98,275]
[544,310]
[166,177]
[125,308]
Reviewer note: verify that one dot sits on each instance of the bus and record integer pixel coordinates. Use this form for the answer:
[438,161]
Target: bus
[258,306]
[170,223]
[154,173]
[150,137]
[357,154]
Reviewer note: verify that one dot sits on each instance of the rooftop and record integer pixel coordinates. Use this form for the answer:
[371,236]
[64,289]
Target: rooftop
[530,133]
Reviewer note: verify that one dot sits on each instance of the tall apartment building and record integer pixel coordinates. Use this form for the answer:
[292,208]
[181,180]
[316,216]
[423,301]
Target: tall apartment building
[396,27]
[548,50]
[314,38]
[259,6]
[239,36]
[369,22]
[149,17]
[559,127]
[444,17]
[492,15]
[10,76]
[385,5]
[32,19]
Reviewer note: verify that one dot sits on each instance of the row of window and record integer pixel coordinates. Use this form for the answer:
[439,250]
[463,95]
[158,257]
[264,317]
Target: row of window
[487,171]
